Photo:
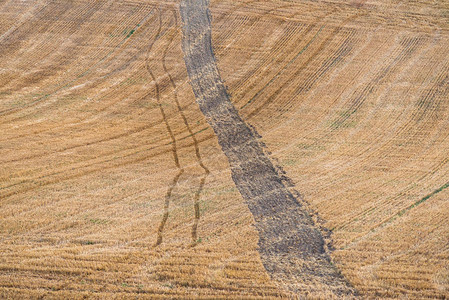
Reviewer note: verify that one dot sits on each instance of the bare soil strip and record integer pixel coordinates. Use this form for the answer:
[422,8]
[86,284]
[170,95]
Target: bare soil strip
[291,246]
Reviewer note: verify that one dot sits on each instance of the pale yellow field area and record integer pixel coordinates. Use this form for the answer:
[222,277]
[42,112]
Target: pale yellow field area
[101,136]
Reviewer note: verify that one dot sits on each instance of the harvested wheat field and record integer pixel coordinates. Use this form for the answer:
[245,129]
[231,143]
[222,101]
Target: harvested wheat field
[224,149]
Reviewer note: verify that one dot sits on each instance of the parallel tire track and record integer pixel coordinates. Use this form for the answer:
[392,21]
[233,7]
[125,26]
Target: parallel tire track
[181,170]
[194,139]
[174,149]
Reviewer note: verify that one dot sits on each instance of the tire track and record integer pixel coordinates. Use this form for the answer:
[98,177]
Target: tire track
[179,166]
[291,246]
[174,150]
[195,141]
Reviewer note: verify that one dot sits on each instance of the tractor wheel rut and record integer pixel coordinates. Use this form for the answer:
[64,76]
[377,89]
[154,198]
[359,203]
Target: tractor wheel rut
[291,245]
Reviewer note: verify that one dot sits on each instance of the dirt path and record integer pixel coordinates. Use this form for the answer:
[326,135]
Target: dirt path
[291,246]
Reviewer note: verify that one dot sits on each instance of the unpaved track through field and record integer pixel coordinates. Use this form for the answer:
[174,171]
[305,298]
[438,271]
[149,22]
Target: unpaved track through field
[290,244]
[174,144]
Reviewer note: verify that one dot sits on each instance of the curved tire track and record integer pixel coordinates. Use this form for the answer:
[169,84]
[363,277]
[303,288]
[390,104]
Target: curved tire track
[174,142]
[196,199]
[291,246]
[175,181]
